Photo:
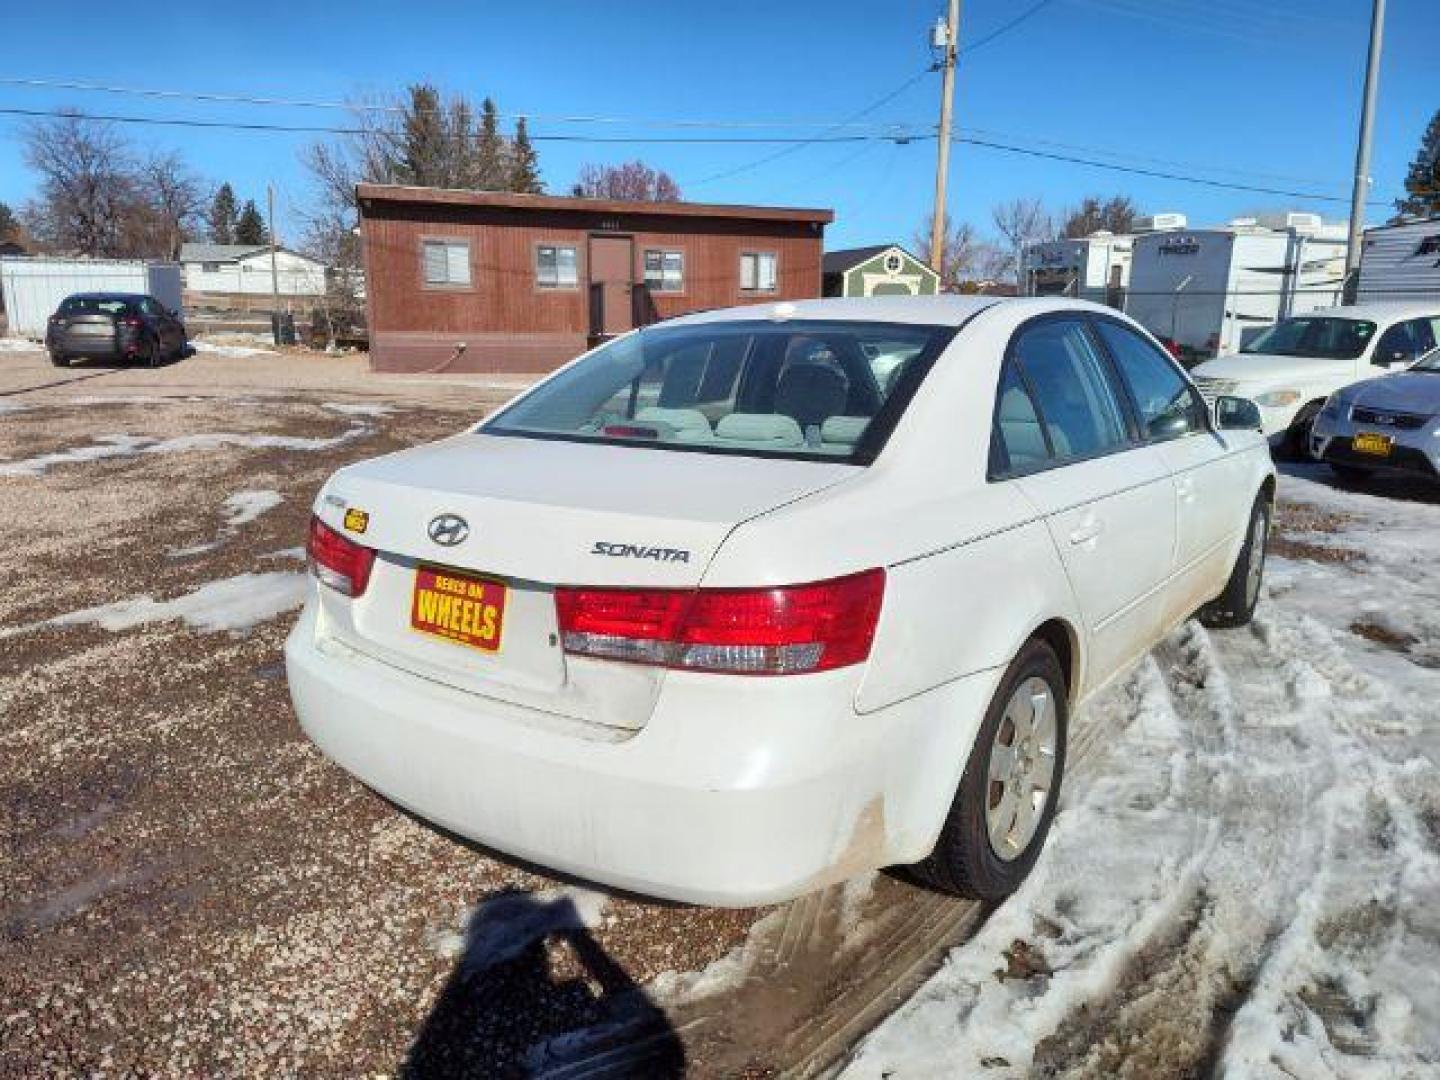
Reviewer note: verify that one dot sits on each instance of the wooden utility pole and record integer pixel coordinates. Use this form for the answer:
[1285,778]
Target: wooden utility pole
[1361,190]
[942,159]
[274,262]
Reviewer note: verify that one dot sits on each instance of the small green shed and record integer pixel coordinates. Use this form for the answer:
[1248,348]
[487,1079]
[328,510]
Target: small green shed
[879,270]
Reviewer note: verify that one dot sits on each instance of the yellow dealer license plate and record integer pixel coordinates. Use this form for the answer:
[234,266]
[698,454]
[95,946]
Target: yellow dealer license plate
[1369,443]
[458,607]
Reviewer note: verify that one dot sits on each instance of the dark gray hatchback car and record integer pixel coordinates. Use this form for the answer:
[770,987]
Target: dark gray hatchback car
[114,326]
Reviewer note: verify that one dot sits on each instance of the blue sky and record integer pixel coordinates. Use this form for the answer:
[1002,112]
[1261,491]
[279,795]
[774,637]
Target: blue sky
[1256,93]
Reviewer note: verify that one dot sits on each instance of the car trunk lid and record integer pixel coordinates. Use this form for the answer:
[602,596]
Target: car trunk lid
[512,518]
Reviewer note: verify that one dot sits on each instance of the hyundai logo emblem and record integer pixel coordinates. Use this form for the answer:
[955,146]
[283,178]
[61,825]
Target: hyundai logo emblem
[448,529]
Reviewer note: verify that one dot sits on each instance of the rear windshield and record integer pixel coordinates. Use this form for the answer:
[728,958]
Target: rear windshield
[1326,337]
[93,305]
[809,390]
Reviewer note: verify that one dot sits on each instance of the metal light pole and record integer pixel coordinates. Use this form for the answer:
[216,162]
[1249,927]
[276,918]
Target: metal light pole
[942,160]
[1362,152]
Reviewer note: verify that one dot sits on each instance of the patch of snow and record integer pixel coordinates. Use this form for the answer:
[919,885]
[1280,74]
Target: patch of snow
[216,349]
[349,408]
[245,506]
[296,553]
[674,988]
[12,406]
[105,446]
[1246,871]
[234,604]
[109,446]
[18,344]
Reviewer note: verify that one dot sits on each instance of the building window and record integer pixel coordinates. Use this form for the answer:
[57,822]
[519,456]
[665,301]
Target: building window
[210,267]
[757,271]
[447,262]
[665,271]
[555,267]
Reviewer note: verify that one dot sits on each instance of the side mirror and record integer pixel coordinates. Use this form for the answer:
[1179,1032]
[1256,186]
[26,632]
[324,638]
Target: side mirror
[1236,414]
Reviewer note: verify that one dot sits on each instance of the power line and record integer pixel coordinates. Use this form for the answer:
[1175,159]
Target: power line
[822,137]
[1034,9]
[1153,173]
[321,129]
[400,110]
[788,145]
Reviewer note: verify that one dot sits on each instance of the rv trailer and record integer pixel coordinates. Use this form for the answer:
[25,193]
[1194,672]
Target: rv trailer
[1209,291]
[1400,262]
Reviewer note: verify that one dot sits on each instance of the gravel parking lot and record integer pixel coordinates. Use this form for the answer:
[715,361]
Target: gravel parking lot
[1244,874]
[186,886]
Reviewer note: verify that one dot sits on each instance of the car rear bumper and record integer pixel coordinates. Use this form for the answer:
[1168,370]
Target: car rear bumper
[737,791]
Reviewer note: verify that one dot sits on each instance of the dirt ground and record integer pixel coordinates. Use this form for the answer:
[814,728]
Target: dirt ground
[186,885]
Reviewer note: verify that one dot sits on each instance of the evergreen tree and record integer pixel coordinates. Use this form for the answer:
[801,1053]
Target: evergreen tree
[491,168]
[223,215]
[250,226]
[524,164]
[425,146]
[9,227]
[1422,182]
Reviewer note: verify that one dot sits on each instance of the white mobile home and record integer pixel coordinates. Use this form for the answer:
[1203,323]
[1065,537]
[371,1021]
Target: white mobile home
[1400,262]
[33,287]
[1094,267]
[1211,290]
[228,270]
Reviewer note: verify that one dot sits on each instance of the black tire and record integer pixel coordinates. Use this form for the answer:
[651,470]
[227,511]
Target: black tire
[154,357]
[59,359]
[1297,438]
[1236,605]
[964,861]
[1349,474]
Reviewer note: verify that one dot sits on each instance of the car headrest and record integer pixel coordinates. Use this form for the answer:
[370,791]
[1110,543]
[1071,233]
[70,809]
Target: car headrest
[691,423]
[1015,407]
[845,430]
[760,428]
[811,393]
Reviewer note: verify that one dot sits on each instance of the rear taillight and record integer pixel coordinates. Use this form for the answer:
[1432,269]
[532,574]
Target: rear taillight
[787,630]
[337,560]
[131,322]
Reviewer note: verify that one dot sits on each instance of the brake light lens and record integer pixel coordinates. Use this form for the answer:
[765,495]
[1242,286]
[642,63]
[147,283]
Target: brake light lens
[337,560]
[132,321]
[788,630]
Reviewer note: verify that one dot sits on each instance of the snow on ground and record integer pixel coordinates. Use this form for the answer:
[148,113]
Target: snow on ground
[245,506]
[234,604]
[18,344]
[232,346]
[1249,880]
[504,926]
[108,446]
[354,408]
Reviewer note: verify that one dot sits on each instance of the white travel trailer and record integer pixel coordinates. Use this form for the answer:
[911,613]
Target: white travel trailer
[1210,290]
[1400,262]
[1094,267]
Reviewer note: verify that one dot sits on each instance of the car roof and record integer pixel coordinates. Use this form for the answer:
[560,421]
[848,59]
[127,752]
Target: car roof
[943,310]
[106,296]
[1379,310]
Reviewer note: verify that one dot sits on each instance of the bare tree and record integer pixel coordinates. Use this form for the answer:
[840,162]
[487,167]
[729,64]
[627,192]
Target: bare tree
[1020,222]
[967,257]
[87,186]
[176,199]
[632,181]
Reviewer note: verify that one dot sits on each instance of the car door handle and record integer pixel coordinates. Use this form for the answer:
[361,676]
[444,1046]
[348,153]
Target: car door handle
[1087,532]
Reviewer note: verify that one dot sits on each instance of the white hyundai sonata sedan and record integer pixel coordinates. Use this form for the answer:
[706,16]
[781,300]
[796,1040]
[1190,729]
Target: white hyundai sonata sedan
[744,603]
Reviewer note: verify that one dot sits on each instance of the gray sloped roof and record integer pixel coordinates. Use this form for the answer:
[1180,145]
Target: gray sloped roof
[837,262]
[219,252]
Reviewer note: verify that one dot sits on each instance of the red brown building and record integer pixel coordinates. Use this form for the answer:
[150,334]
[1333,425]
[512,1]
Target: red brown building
[496,282]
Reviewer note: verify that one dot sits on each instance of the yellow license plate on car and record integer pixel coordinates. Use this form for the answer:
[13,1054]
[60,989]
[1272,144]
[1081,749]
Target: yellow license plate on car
[1368,443]
[458,607]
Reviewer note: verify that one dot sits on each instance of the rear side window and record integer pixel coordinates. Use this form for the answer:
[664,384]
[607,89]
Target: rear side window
[792,389]
[1070,388]
[1021,435]
[1167,405]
